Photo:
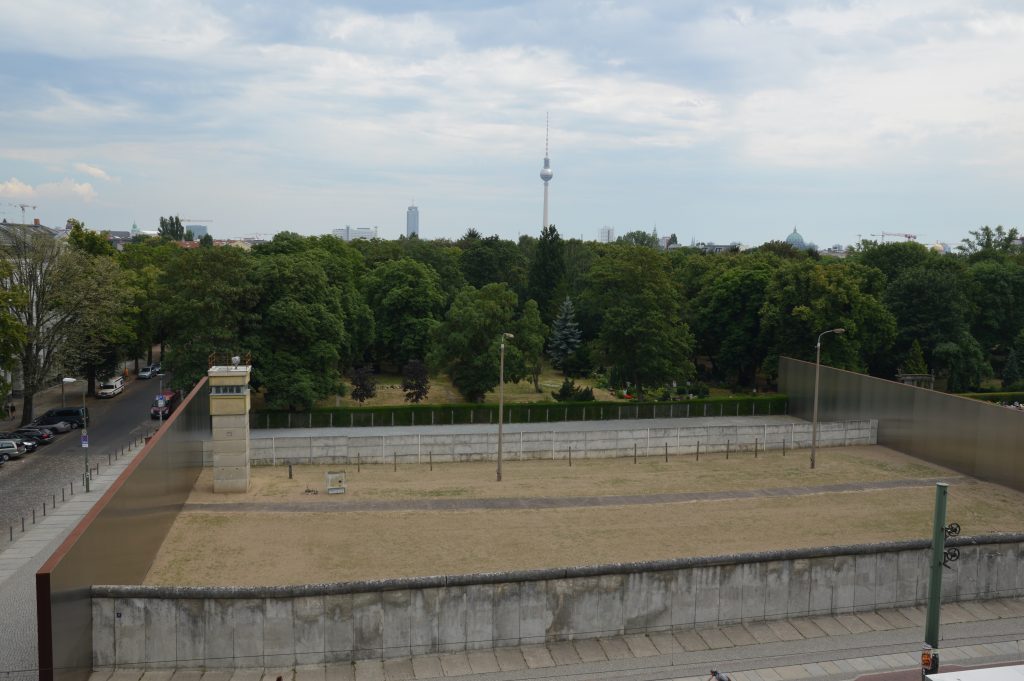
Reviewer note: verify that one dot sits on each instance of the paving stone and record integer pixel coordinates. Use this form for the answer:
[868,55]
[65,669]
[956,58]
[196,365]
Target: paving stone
[844,666]
[769,675]
[690,641]
[563,652]
[893,617]
[762,633]
[830,668]
[860,664]
[640,645]
[509,659]
[249,674]
[483,661]
[1006,647]
[807,628]
[162,675]
[744,676]
[738,635]
[126,675]
[1000,609]
[891,661]
[226,674]
[369,670]
[794,671]
[953,613]
[184,675]
[99,675]
[979,610]
[537,656]
[398,669]
[273,674]
[1014,605]
[855,624]
[715,638]
[815,670]
[427,667]
[590,650]
[916,615]
[665,642]
[952,654]
[830,625]
[615,648]
[343,671]
[908,661]
[784,630]
[874,621]
[454,664]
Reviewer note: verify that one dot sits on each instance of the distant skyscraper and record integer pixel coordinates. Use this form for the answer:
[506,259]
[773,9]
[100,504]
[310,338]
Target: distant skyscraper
[349,233]
[198,231]
[546,173]
[607,235]
[412,221]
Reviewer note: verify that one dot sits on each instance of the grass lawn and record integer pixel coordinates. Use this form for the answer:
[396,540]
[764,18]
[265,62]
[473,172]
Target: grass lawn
[277,547]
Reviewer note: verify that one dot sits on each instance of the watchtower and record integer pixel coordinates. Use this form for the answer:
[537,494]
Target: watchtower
[229,412]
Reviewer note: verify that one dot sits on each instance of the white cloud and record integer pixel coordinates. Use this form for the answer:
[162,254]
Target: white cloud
[66,188]
[93,171]
[16,189]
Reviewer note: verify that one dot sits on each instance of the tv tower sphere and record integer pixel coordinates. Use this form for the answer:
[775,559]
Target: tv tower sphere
[546,173]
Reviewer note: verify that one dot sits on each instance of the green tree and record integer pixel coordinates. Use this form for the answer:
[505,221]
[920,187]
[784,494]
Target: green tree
[415,381]
[962,363]
[207,302]
[298,339]
[547,269]
[529,339]
[465,344]
[88,241]
[171,229]
[407,303]
[206,241]
[639,238]
[642,336]
[914,363]
[492,260]
[565,336]
[986,240]
[12,331]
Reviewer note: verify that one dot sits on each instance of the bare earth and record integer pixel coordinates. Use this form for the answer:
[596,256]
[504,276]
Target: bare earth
[292,546]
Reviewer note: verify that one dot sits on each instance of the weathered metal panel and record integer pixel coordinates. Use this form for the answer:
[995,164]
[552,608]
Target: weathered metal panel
[118,539]
[972,437]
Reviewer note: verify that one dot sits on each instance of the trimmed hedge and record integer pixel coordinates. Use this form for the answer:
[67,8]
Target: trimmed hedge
[547,412]
[1010,397]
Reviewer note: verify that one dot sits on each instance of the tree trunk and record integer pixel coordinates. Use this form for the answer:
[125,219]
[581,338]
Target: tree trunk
[26,408]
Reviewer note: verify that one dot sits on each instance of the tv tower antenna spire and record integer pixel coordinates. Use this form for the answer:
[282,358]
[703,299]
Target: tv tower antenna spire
[546,173]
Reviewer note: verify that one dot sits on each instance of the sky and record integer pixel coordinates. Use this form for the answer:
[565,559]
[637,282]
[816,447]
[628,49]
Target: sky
[714,121]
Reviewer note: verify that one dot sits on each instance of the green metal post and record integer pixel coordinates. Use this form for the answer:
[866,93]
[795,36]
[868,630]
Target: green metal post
[931,630]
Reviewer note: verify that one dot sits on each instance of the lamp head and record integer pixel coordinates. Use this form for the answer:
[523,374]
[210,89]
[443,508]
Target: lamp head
[68,379]
[508,335]
[839,331]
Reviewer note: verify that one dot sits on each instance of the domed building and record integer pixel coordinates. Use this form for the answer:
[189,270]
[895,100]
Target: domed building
[796,241]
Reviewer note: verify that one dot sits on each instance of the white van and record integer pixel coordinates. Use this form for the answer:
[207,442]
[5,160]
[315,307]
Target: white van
[111,386]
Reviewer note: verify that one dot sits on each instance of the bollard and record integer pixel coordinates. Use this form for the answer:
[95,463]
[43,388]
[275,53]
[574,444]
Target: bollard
[72,488]
[570,456]
[394,455]
[430,455]
[11,528]
[358,465]
[698,450]
[666,452]
[54,501]
[23,524]
[44,509]
[108,458]
[62,494]
[634,452]
[33,516]
[727,445]
[755,447]
[783,446]
[289,471]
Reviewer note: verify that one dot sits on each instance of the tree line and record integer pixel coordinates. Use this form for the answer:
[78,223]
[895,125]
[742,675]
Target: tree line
[315,311]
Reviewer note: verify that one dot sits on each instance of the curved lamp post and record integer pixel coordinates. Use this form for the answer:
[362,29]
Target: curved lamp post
[817,373]
[85,432]
[501,396]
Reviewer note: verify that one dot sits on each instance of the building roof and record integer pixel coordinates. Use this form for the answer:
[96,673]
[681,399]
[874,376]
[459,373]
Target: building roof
[796,241]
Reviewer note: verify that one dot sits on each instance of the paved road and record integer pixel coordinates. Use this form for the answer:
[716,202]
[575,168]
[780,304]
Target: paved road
[26,483]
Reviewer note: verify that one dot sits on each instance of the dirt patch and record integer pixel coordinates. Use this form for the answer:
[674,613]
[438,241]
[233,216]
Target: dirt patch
[225,547]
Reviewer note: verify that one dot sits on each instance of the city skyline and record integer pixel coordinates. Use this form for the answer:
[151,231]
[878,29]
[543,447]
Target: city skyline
[708,121]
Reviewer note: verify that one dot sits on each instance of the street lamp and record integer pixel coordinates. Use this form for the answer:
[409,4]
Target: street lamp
[85,428]
[817,373]
[161,401]
[501,396]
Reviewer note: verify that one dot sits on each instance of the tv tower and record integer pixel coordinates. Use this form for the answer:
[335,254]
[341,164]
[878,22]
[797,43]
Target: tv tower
[546,173]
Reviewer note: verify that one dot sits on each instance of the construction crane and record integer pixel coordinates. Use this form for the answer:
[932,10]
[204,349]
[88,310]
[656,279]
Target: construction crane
[908,237]
[22,206]
[196,221]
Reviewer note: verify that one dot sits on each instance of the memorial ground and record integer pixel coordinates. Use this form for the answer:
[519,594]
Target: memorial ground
[456,519]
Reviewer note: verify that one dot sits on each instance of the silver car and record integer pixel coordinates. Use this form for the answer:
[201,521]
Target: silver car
[11,449]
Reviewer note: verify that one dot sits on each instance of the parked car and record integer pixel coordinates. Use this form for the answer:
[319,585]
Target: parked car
[53,423]
[156,368]
[146,372]
[111,386]
[40,435]
[78,417]
[30,444]
[11,449]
